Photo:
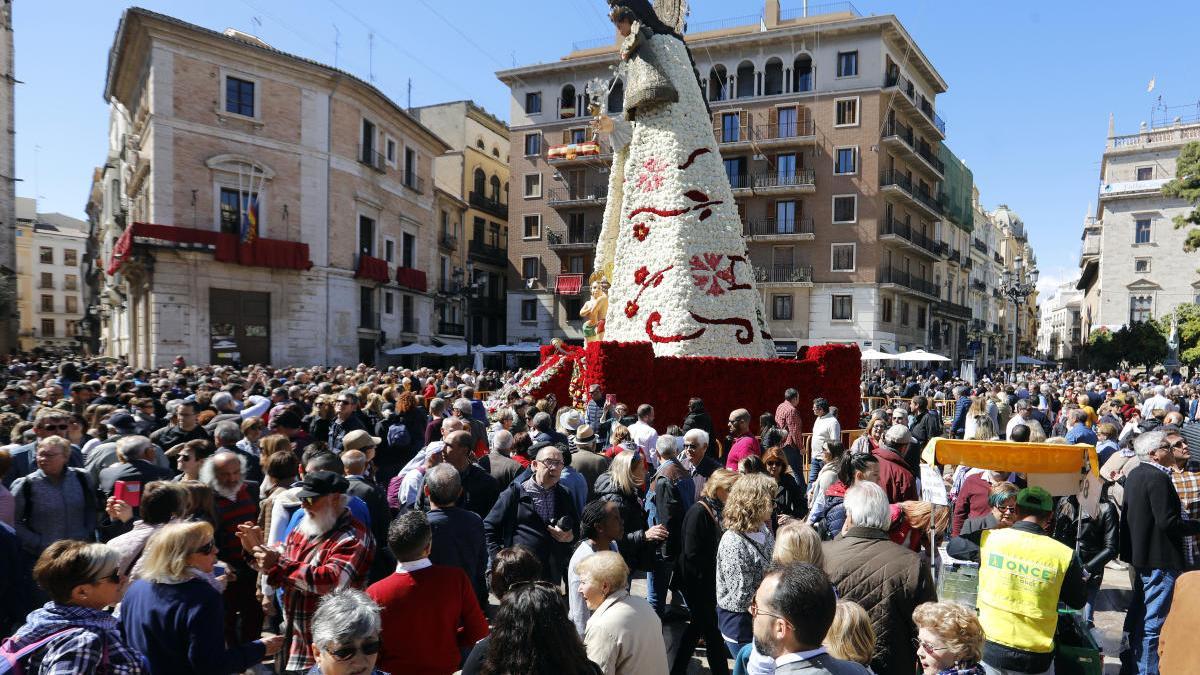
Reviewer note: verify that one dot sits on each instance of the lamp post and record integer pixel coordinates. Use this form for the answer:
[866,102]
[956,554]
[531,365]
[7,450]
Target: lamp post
[466,289]
[1019,283]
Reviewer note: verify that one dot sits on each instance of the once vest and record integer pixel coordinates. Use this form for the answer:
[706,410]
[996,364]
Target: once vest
[1020,576]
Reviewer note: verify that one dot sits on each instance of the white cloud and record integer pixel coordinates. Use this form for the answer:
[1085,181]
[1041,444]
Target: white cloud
[1050,279]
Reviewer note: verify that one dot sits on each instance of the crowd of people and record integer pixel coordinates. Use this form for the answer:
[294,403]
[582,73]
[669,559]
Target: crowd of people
[352,520]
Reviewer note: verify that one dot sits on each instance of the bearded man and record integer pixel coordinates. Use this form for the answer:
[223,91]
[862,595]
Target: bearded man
[235,501]
[328,551]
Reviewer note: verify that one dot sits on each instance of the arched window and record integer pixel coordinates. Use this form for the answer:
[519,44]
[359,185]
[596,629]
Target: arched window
[745,79]
[773,78]
[495,184]
[495,152]
[566,102]
[616,97]
[718,83]
[479,143]
[802,79]
[480,182]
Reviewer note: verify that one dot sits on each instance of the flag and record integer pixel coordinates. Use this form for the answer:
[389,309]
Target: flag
[1150,87]
[250,219]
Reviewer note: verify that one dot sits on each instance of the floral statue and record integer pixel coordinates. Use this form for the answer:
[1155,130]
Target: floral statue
[671,246]
[594,312]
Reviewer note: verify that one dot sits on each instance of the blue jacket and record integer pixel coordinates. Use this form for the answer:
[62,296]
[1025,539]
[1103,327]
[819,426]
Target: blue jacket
[1081,434]
[458,542]
[960,417]
[180,629]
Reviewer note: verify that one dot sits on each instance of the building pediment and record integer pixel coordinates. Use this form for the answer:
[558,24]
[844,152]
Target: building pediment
[1143,285]
[239,164]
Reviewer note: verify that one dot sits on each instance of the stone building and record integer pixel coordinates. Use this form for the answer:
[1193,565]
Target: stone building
[1132,263]
[473,259]
[8,178]
[1059,328]
[1019,259]
[256,206]
[828,128]
[50,286]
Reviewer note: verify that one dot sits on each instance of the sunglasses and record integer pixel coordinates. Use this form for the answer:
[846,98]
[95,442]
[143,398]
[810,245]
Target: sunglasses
[207,548]
[55,427]
[550,463]
[115,577]
[346,653]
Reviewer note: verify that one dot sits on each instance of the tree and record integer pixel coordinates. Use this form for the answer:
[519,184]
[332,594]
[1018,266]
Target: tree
[1142,344]
[1188,316]
[1100,352]
[1186,186]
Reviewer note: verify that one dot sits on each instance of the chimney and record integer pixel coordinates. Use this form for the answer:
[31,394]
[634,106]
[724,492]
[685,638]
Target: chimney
[771,14]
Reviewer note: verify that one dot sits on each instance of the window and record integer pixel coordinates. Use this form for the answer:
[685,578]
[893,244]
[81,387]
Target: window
[72,304]
[531,268]
[847,161]
[366,236]
[847,64]
[533,226]
[575,264]
[72,328]
[921,317]
[735,170]
[731,127]
[239,96]
[46,255]
[847,112]
[533,145]
[903,313]
[389,250]
[1141,231]
[410,168]
[843,307]
[408,322]
[781,308]
[845,208]
[367,143]
[785,217]
[70,257]
[366,307]
[572,306]
[785,169]
[533,103]
[391,151]
[47,280]
[533,186]
[529,310]
[389,303]
[48,329]
[1140,308]
[886,311]
[577,136]
[842,258]
[1141,265]
[1145,173]
[70,282]
[787,123]
[408,250]
[47,303]
[236,207]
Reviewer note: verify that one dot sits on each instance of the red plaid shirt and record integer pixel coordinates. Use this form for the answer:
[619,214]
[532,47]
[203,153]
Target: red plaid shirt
[310,568]
[1187,484]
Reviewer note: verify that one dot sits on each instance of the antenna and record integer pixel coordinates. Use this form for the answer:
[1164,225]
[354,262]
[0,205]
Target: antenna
[371,55]
[410,93]
[337,44]
[256,22]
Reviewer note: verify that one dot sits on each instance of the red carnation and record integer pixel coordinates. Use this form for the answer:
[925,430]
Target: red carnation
[631,309]
[639,277]
[641,231]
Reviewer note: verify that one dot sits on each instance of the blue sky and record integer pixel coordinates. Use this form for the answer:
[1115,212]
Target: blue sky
[1031,83]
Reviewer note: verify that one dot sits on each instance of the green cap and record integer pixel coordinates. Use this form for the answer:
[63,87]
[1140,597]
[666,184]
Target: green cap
[1035,499]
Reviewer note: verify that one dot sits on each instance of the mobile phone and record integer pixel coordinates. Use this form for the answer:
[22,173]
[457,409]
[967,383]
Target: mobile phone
[610,399]
[129,492]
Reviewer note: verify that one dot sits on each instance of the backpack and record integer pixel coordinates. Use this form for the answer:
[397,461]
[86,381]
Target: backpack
[398,436]
[10,660]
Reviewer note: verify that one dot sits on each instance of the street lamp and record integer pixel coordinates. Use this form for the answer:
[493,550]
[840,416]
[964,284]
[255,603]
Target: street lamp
[1019,283]
[466,288]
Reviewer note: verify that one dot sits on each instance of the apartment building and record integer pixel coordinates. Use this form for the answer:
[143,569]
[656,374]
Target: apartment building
[50,287]
[1060,331]
[256,206]
[1019,260]
[1132,263]
[832,143]
[473,258]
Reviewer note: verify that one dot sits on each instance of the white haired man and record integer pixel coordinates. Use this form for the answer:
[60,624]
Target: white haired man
[695,457]
[328,551]
[235,502]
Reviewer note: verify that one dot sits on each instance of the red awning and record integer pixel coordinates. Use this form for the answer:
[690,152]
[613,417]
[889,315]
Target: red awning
[568,284]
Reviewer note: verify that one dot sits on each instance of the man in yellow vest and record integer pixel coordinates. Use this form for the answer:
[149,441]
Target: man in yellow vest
[1023,574]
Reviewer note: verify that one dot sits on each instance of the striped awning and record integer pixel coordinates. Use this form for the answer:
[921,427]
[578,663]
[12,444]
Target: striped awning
[568,284]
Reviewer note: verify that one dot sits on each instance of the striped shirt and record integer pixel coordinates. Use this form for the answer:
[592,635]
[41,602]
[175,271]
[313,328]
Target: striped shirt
[230,514]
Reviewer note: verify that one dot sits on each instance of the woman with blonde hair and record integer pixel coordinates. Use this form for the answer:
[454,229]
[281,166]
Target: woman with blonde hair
[911,522]
[949,639]
[625,484]
[252,431]
[743,555]
[798,542]
[850,636]
[620,439]
[977,409]
[174,614]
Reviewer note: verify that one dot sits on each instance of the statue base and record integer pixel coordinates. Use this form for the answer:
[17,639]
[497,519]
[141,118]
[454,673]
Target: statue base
[634,375]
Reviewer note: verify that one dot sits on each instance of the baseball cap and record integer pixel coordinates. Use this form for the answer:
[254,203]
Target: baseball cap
[121,421]
[358,439]
[1035,499]
[321,483]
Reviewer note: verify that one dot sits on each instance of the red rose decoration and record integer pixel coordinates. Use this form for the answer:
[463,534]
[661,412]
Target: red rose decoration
[641,231]
[631,309]
[639,277]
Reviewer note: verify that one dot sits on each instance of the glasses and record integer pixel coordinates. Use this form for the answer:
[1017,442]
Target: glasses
[1007,509]
[115,577]
[185,458]
[1177,445]
[550,463]
[755,611]
[920,644]
[55,427]
[344,402]
[690,445]
[207,548]
[346,653]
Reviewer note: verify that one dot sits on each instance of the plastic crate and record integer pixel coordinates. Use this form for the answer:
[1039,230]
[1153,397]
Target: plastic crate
[958,581]
[1075,650]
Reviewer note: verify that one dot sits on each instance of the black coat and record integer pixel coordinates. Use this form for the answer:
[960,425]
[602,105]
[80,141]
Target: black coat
[789,497]
[1152,527]
[638,552]
[698,420]
[513,521]
[696,566]
[1097,542]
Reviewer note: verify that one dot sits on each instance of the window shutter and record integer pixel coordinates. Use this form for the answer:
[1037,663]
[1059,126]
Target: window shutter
[773,123]
[566,136]
[717,124]
[772,211]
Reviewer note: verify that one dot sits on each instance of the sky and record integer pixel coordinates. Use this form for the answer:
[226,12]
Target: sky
[1031,84]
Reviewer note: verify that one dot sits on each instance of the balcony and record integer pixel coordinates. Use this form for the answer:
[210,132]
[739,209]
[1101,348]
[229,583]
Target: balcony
[968,263]
[997,294]
[895,182]
[487,253]
[952,310]
[588,153]
[900,137]
[570,197]
[998,258]
[979,325]
[898,277]
[447,241]
[368,156]
[896,231]
[412,181]
[980,245]
[766,135]
[979,285]
[447,328]
[799,181]
[917,105]
[772,228]
[574,239]
[784,275]
[488,205]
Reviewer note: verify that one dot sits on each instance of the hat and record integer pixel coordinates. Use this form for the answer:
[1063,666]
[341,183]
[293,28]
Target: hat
[321,483]
[359,439]
[1035,499]
[585,436]
[595,387]
[121,421]
[571,420]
